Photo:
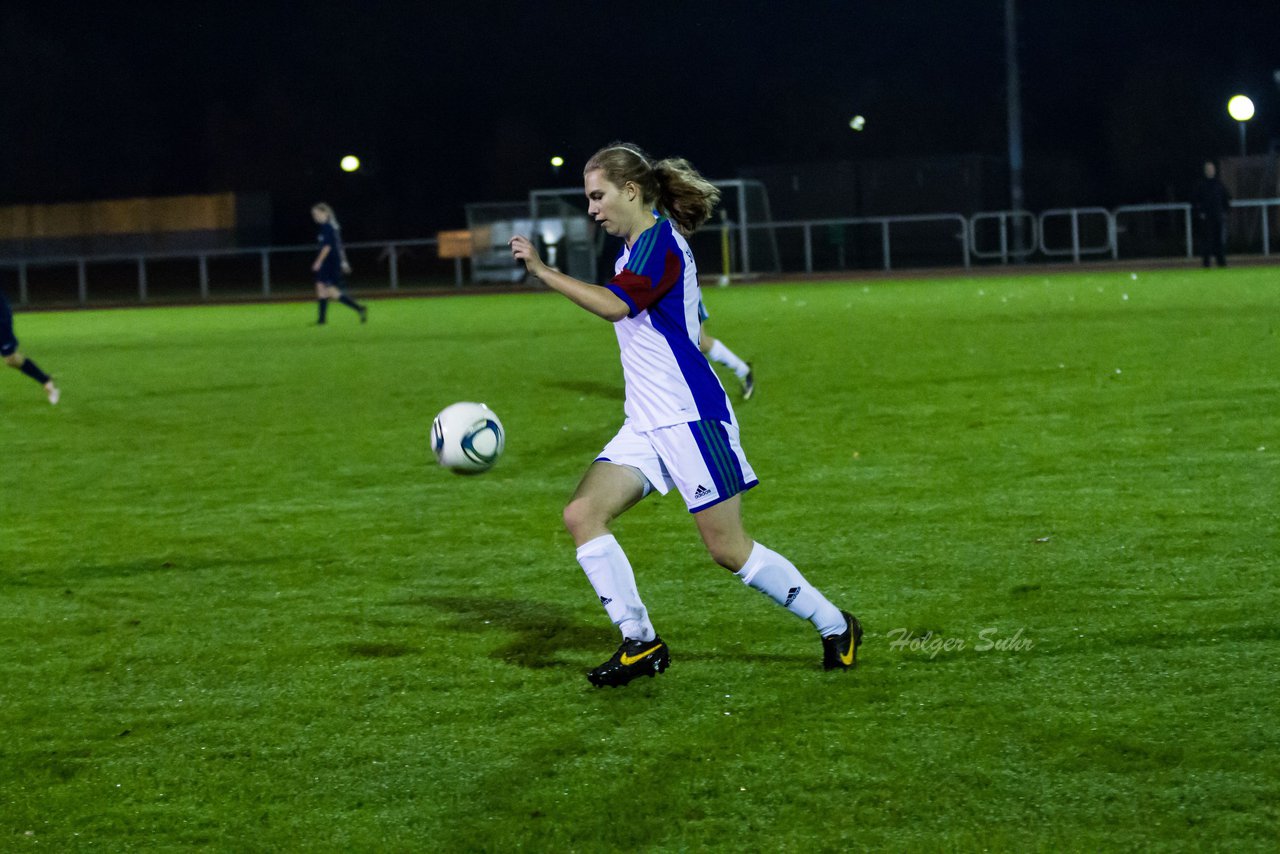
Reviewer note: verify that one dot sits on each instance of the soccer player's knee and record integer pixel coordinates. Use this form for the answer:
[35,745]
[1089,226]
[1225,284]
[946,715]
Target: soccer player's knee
[578,515]
[725,556]
[14,360]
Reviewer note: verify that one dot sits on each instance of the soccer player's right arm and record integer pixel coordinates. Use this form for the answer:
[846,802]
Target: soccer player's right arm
[594,298]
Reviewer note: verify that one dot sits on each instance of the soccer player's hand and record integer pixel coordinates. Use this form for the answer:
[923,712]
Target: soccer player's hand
[522,250]
[346,268]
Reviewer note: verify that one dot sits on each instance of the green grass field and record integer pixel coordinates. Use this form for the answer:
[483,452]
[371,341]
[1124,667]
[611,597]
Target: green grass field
[243,611]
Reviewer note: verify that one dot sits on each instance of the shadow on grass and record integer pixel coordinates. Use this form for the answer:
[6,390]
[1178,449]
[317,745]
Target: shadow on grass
[380,650]
[720,657]
[542,631]
[74,573]
[169,393]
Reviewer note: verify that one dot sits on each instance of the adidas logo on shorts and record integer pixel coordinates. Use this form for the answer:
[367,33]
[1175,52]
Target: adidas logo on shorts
[701,492]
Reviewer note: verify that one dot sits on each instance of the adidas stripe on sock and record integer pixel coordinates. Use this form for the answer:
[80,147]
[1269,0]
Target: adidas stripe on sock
[609,572]
[776,577]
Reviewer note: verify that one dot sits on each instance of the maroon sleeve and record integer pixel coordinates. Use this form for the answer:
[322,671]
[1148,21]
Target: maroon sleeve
[640,291]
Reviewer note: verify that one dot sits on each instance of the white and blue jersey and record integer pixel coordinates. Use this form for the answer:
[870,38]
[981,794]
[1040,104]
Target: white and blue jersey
[680,429]
[668,380]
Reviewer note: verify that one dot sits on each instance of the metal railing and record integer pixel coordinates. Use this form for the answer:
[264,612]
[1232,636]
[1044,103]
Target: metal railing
[389,250]
[1006,236]
[884,242]
[883,227]
[1263,205]
[1182,208]
[1077,248]
[1020,248]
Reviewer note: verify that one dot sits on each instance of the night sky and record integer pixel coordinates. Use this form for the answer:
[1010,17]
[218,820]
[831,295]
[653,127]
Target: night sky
[449,103]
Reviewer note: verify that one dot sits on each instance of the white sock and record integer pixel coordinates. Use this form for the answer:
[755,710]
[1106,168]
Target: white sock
[609,572]
[723,355]
[776,577]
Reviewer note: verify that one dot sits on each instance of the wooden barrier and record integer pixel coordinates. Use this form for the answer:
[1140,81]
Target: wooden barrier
[456,245]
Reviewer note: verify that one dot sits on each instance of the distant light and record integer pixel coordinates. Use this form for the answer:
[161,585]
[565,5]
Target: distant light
[557,161]
[350,163]
[1240,108]
[857,122]
[552,231]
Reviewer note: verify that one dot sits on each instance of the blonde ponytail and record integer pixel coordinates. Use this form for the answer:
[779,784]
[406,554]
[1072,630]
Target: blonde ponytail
[672,185]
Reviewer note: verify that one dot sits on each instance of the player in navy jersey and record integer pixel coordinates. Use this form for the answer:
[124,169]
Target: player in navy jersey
[331,264]
[14,359]
[680,430]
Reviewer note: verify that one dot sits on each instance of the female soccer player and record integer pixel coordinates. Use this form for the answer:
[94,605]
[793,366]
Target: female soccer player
[680,429]
[15,359]
[330,264]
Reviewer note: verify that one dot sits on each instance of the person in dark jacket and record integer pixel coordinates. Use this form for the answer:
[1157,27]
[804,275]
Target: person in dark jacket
[1211,202]
[331,264]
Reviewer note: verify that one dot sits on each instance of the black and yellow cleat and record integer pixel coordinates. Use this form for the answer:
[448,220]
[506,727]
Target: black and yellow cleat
[634,658]
[840,652]
[749,383]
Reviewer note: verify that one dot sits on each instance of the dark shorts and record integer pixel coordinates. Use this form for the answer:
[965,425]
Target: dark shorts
[331,275]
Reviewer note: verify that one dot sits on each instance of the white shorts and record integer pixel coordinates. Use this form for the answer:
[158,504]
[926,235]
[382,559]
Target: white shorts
[702,459]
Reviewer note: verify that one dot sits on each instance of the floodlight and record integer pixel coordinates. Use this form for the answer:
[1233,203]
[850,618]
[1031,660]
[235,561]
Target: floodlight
[350,163]
[1241,108]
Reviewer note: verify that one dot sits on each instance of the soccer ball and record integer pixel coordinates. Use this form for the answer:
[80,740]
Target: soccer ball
[467,438]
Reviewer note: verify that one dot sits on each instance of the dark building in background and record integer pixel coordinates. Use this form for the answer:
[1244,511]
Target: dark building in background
[136,226]
[891,186]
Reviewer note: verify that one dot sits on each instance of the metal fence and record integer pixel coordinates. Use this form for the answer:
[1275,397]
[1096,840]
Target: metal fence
[1150,231]
[249,273]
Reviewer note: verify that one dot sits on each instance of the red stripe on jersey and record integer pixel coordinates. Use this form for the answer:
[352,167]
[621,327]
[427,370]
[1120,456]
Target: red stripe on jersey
[641,290]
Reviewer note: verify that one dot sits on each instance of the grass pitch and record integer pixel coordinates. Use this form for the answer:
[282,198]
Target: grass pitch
[241,610]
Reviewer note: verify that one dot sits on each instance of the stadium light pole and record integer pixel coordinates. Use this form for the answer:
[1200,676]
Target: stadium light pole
[1013,101]
[1240,108]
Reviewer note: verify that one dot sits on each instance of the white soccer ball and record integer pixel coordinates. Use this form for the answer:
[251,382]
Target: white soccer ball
[467,438]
